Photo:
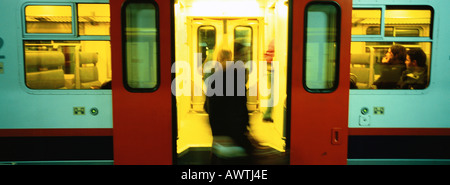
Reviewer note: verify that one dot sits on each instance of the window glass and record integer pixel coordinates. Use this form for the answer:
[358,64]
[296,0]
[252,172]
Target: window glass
[243,43]
[407,23]
[321,41]
[67,64]
[392,31]
[366,21]
[93,19]
[70,63]
[48,19]
[392,64]
[141,49]
[206,42]
[368,71]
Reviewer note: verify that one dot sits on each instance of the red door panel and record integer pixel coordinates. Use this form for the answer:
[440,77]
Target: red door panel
[319,122]
[142,125]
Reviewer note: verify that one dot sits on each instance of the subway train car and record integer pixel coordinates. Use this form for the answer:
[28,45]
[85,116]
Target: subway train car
[124,81]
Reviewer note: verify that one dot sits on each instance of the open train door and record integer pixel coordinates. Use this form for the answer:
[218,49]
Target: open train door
[142,101]
[320,56]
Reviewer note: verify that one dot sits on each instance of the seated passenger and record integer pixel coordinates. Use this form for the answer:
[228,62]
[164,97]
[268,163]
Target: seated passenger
[415,76]
[353,81]
[106,85]
[392,67]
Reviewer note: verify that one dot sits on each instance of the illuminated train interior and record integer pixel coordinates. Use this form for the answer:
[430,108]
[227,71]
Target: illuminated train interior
[202,28]
[58,59]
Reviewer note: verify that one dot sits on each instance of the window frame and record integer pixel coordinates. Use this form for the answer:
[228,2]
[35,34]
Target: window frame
[337,51]
[124,48]
[54,35]
[198,37]
[57,37]
[383,38]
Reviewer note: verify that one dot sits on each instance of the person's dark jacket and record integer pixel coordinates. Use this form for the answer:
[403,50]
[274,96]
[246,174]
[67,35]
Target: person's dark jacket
[413,79]
[390,76]
[228,115]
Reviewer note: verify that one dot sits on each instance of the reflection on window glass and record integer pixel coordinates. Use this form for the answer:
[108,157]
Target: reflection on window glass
[93,19]
[367,66]
[321,40]
[407,23]
[141,36]
[392,31]
[206,42]
[67,64]
[243,43]
[48,19]
[366,21]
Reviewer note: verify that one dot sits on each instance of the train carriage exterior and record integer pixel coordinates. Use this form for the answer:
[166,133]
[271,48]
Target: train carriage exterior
[122,81]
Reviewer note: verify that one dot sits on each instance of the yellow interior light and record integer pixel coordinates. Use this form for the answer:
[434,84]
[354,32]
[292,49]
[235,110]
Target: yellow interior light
[230,8]
[48,11]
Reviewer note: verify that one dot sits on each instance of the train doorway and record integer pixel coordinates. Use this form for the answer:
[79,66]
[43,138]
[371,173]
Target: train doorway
[250,38]
[309,59]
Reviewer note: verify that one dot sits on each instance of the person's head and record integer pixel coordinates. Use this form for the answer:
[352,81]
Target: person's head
[396,54]
[223,56]
[416,58]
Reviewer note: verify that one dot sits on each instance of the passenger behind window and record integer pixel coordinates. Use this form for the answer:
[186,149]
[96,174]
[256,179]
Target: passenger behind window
[415,76]
[106,85]
[353,81]
[392,67]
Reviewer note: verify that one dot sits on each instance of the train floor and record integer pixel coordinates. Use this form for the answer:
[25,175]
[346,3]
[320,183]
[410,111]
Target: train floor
[204,156]
[269,134]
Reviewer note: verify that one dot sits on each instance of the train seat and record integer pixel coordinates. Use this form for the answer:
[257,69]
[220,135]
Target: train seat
[88,70]
[360,67]
[44,70]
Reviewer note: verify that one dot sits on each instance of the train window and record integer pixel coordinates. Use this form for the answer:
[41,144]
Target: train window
[141,46]
[71,62]
[206,42]
[370,72]
[93,19]
[321,55]
[394,63]
[243,43]
[67,64]
[407,22]
[366,17]
[48,19]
